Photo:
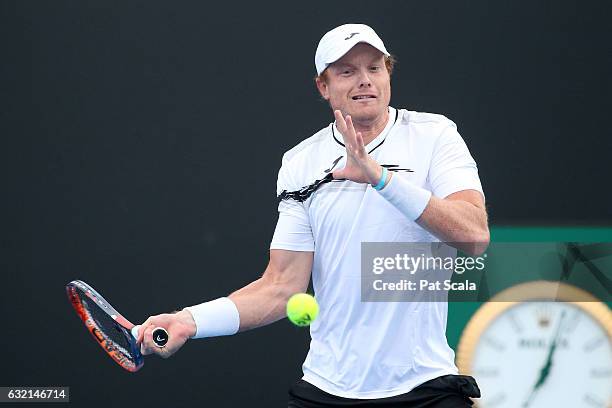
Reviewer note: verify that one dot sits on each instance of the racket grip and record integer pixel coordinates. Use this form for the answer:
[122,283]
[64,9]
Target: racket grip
[160,335]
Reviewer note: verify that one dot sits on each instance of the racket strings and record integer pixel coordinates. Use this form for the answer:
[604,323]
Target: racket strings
[115,335]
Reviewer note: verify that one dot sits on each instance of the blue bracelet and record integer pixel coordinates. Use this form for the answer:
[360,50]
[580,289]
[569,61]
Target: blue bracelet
[383,180]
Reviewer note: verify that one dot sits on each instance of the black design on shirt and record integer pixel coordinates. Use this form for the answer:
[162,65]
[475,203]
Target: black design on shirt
[304,193]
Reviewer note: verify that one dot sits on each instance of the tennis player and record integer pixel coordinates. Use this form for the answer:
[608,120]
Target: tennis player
[376,174]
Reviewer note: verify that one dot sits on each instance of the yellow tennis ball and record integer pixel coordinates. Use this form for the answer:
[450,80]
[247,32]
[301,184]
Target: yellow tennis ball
[302,309]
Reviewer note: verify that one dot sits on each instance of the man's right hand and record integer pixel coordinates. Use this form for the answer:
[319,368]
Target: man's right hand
[180,327]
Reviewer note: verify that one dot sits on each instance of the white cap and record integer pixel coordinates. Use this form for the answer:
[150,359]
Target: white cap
[337,42]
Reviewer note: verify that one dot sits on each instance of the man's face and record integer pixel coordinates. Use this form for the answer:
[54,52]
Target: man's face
[358,84]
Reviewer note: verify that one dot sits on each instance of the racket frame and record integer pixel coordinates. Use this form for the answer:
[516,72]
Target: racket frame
[112,349]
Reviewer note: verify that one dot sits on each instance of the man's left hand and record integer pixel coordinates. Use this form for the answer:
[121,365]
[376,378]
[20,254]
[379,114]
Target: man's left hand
[360,167]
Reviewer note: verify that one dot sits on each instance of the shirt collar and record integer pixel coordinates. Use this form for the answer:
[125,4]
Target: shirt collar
[378,140]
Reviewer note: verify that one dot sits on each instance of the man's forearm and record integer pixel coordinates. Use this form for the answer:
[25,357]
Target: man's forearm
[261,302]
[458,222]
[258,304]
[456,219]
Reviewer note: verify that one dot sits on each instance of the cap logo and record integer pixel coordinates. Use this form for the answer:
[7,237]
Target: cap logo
[351,36]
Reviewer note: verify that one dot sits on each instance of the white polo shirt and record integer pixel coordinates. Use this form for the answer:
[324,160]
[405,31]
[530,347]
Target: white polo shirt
[359,349]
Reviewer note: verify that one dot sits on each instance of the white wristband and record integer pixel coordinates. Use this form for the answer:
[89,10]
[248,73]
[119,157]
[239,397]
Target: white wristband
[406,197]
[218,317]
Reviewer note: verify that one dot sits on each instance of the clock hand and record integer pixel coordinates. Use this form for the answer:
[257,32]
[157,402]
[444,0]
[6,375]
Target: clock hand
[545,371]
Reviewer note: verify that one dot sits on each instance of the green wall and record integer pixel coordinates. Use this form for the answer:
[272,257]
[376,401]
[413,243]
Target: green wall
[459,313]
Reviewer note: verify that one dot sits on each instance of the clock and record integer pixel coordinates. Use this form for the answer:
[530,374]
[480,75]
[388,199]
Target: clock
[540,344]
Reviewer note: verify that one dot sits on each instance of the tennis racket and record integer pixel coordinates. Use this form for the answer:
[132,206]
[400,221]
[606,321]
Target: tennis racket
[113,332]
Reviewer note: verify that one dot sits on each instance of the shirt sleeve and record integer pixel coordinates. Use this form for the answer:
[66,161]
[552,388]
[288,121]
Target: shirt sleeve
[293,231]
[452,167]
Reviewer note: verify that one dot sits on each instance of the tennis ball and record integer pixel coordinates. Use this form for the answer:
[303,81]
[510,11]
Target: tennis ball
[302,309]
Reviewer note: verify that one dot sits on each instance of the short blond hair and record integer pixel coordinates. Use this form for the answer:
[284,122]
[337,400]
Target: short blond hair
[390,62]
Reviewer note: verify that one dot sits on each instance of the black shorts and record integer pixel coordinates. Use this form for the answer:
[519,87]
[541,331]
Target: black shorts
[448,391]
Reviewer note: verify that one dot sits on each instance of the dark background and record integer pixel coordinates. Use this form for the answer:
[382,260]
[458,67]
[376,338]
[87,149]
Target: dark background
[140,143]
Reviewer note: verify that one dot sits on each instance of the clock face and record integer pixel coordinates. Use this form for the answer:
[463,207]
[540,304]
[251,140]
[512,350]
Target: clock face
[543,354]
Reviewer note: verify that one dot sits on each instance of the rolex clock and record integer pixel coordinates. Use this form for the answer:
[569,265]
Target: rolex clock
[540,344]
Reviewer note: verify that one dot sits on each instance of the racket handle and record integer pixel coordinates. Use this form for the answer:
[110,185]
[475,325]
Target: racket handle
[160,335]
